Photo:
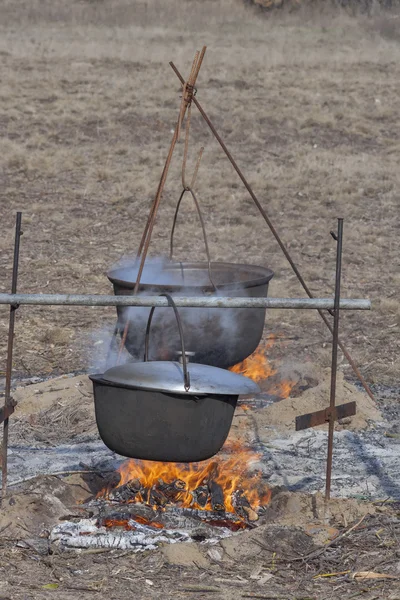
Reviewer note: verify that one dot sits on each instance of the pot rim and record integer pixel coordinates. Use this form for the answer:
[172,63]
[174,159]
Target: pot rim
[262,276]
[98,378]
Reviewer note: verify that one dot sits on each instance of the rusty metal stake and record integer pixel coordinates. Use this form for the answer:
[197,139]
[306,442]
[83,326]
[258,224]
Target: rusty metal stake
[335,340]
[9,404]
[332,413]
[274,232]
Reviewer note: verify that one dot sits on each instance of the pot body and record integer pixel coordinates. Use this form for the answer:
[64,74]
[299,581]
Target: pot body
[160,426]
[221,337]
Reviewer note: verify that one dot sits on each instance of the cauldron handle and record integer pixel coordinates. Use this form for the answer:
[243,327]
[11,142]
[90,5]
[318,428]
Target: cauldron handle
[186,375]
[171,243]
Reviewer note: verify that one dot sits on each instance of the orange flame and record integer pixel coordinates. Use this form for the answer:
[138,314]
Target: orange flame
[231,475]
[145,521]
[258,368]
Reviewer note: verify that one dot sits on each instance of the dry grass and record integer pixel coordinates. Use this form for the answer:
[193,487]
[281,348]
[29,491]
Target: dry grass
[308,106]
[62,423]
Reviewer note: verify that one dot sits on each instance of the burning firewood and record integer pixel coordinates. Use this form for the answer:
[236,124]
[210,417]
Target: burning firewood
[242,506]
[172,491]
[126,492]
[217,496]
[215,490]
[155,497]
[162,493]
[201,495]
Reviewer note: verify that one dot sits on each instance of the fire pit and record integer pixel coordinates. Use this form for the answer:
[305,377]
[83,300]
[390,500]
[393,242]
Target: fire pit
[149,503]
[220,337]
[225,490]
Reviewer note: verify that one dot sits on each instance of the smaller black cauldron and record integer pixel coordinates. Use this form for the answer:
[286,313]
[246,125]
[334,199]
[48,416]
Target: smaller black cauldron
[167,411]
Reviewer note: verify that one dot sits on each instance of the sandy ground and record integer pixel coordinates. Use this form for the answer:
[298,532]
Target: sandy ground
[307,102]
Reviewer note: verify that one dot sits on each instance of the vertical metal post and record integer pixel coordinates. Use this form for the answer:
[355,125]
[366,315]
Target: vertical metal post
[7,393]
[335,339]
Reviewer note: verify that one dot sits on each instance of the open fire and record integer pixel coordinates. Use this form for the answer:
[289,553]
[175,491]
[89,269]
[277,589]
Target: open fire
[227,490]
[163,502]
[258,368]
[223,488]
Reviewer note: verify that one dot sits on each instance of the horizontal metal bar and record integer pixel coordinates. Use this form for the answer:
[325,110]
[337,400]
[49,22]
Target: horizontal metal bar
[180,301]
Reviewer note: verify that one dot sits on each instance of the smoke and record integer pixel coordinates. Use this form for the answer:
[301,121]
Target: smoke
[218,336]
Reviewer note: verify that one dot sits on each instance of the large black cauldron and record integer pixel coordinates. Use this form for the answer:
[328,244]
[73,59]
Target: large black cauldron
[220,337]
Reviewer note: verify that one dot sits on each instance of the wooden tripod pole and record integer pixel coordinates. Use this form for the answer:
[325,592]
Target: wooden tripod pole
[274,233]
[187,98]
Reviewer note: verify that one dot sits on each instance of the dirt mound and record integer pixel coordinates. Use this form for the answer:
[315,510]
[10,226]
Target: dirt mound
[57,411]
[305,510]
[39,504]
[281,415]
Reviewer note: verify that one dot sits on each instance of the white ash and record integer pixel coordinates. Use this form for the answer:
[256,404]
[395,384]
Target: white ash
[365,463]
[87,534]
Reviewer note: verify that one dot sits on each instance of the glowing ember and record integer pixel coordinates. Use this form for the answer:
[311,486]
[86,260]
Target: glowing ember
[231,525]
[118,523]
[258,368]
[128,525]
[216,485]
[144,521]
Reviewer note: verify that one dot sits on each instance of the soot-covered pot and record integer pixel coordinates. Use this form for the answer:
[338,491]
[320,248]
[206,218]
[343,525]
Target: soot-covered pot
[221,337]
[167,411]
[144,411]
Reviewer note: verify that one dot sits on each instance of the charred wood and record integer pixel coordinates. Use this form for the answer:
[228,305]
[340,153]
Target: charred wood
[124,511]
[172,491]
[242,506]
[162,493]
[217,496]
[215,490]
[126,492]
[154,497]
[114,516]
[201,495]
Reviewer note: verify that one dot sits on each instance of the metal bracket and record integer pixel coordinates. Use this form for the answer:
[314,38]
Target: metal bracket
[6,411]
[320,417]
